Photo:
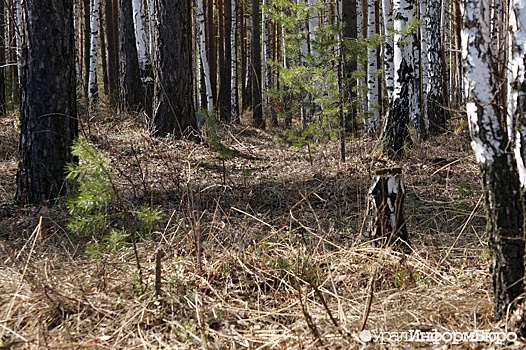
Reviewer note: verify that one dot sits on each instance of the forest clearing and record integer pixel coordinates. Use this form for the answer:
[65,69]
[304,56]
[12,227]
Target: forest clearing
[282,264]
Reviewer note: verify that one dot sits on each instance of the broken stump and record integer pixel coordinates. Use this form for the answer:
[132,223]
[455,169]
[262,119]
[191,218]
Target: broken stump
[386,224]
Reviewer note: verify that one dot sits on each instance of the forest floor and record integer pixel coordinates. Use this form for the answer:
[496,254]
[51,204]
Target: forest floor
[260,246]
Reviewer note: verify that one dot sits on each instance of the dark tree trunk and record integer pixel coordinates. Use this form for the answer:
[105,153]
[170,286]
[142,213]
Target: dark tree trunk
[350,33]
[225,57]
[504,218]
[48,113]
[130,89]
[174,110]
[2,59]
[13,57]
[257,107]
[112,34]
[103,56]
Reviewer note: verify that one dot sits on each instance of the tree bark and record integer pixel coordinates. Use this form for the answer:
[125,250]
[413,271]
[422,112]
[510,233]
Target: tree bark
[257,107]
[3,105]
[500,179]
[174,110]
[48,112]
[130,88]
[395,134]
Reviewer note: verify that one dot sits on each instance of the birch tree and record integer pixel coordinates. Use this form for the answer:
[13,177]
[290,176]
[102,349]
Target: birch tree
[94,33]
[139,16]
[388,47]
[372,118]
[395,133]
[203,57]
[48,111]
[500,179]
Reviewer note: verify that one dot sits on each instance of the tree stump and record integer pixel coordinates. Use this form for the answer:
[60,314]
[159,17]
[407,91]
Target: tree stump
[386,224]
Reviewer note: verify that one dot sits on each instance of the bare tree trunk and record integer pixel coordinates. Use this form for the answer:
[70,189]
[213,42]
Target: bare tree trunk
[257,107]
[500,180]
[174,109]
[48,112]
[130,89]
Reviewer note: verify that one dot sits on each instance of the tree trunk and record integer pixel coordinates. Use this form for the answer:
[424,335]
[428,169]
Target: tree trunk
[103,55]
[174,110]
[130,89]
[234,100]
[349,32]
[372,117]
[94,33]
[395,134]
[3,48]
[225,57]
[257,108]
[436,101]
[500,180]
[48,113]
[203,56]
[112,34]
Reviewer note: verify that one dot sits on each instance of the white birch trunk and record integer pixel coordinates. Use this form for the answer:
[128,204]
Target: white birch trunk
[482,116]
[517,79]
[203,57]
[92,77]
[372,118]
[387,12]
[139,15]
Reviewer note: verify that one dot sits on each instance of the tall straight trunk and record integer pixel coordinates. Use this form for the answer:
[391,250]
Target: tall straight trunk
[436,101]
[94,33]
[112,34]
[257,108]
[500,180]
[103,55]
[372,118]
[130,89]
[48,112]
[234,99]
[395,134]
[349,32]
[12,51]
[225,57]
[212,46]
[388,49]
[174,109]
[245,58]
[3,105]
[86,45]
[203,57]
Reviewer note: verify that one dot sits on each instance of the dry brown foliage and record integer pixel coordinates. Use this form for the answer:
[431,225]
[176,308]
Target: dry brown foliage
[262,250]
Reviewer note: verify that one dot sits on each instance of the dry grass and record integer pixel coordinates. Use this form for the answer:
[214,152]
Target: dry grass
[282,264]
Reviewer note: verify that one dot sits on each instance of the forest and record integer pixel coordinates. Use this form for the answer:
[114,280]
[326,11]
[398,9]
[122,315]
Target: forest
[260,174]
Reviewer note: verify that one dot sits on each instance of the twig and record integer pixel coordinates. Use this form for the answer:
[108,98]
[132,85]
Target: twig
[369,300]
